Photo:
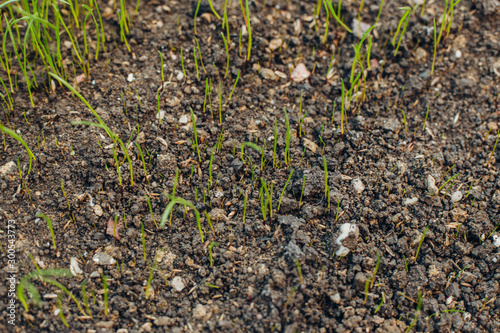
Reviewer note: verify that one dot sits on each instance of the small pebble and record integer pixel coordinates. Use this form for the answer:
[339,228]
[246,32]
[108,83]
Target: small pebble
[358,185]
[98,210]
[458,54]
[431,185]
[130,77]
[177,284]
[456,197]
[410,201]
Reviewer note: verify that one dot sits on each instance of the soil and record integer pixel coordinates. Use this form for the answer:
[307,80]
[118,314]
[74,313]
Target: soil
[412,260]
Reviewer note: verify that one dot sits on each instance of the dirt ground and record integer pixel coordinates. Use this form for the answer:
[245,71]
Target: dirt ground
[405,239]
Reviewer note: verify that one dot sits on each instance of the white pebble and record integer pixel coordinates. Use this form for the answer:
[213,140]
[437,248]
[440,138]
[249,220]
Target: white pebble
[74,267]
[180,76]
[431,185]
[410,201]
[458,54]
[177,284]
[358,185]
[496,240]
[456,196]
[98,210]
[130,77]
[345,230]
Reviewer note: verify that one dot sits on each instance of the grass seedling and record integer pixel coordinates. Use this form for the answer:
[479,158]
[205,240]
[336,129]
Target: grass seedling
[210,247]
[404,121]
[210,166]
[438,39]
[45,275]
[302,191]
[143,239]
[329,7]
[61,314]
[420,243]
[182,64]
[181,201]
[220,104]
[193,119]
[209,222]
[150,278]
[375,270]
[367,288]
[161,68]
[251,145]
[84,297]
[196,15]
[380,11]
[425,120]
[196,64]
[450,16]
[263,204]
[493,151]
[288,160]
[150,210]
[417,312]
[199,53]
[20,140]
[227,54]
[213,9]
[49,223]
[101,124]
[275,142]
[105,296]
[405,18]
[442,186]
[245,207]
[325,168]
[234,87]
[269,194]
[299,270]
[382,301]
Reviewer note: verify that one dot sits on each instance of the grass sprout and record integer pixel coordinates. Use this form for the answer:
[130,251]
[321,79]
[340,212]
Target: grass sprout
[20,140]
[405,18]
[51,229]
[170,206]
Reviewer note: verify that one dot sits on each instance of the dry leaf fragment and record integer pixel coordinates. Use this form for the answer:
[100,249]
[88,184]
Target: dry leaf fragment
[112,230]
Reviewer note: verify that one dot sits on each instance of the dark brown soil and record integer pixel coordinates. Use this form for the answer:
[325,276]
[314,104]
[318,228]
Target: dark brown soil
[278,274]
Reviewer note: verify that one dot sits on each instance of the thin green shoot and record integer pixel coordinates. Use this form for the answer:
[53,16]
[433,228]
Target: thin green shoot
[151,210]
[302,191]
[275,141]
[244,207]
[325,168]
[20,140]
[227,54]
[61,314]
[220,103]
[150,278]
[382,301]
[288,160]
[206,93]
[375,270]
[51,229]
[105,296]
[251,145]
[101,124]
[181,201]
[442,186]
[199,53]
[196,64]
[44,275]
[284,188]
[329,6]
[380,11]
[196,15]
[209,221]
[234,87]
[182,64]
[299,270]
[85,298]
[263,203]
[213,9]
[404,121]
[210,166]
[417,313]
[493,151]
[161,68]
[425,120]
[405,18]
[421,241]
[193,120]
[143,239]
[210,247]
